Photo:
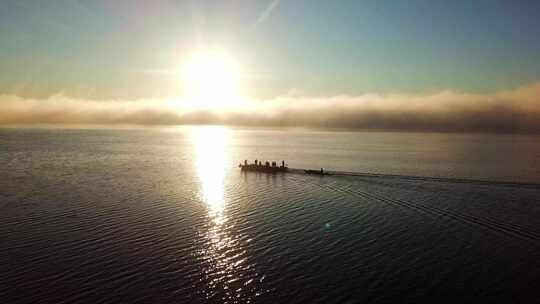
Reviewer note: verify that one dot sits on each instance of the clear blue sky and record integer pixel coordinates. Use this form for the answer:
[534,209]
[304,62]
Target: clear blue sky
[113,49]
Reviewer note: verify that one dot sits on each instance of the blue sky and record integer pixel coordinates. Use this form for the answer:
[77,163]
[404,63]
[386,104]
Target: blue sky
[108,49]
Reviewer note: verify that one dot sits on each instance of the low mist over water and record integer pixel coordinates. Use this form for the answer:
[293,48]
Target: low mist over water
[165,215]
[512,111]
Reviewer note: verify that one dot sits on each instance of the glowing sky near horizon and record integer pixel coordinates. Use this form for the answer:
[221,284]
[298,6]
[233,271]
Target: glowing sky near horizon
[129,49]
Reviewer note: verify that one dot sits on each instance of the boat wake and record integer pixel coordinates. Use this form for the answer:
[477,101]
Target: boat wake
[486,222]
[423,178]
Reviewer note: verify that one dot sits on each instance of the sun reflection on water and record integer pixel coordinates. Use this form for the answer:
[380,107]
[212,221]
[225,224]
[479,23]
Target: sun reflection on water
[210,151]
[228,274]
[229,277]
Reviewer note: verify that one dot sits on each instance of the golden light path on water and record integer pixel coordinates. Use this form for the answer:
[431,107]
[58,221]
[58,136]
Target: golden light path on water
[210,151]
[223,252]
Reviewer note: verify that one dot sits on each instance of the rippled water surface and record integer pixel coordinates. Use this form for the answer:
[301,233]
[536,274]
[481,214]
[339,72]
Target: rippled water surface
[165,216]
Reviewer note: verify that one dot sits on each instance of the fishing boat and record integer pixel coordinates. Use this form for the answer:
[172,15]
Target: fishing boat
[267,167]
[272,167]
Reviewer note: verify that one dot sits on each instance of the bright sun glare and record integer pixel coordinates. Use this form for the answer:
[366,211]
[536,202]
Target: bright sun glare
[212,82]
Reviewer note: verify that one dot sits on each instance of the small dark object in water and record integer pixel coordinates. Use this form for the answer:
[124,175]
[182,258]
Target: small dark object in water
[317,172]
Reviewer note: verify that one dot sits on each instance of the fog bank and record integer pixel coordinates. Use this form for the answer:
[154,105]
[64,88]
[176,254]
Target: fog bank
[511,111]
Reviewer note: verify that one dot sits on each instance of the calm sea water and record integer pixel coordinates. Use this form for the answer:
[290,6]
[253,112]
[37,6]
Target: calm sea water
[165,216]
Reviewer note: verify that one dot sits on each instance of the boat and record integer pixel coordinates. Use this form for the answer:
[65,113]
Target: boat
[267,167]
[272,167]
[316,172]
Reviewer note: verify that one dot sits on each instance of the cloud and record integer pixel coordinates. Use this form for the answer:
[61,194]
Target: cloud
[511,111]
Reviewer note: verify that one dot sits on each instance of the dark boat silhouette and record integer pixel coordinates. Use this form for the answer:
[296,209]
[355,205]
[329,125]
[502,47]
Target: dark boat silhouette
[272,167]
[267,167]
[316,172]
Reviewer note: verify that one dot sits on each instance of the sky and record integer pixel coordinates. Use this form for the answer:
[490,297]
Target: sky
[340,55]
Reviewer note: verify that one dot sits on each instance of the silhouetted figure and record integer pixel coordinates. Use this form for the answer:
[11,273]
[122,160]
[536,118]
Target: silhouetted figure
[321,171]
[267,167]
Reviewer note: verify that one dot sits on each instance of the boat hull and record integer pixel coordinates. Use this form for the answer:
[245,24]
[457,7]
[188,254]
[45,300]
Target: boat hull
[264,169]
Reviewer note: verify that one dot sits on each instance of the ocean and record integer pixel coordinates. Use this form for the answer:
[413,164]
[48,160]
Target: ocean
[164,215]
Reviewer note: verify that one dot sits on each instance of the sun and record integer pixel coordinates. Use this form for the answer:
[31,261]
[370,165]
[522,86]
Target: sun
[211,82]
